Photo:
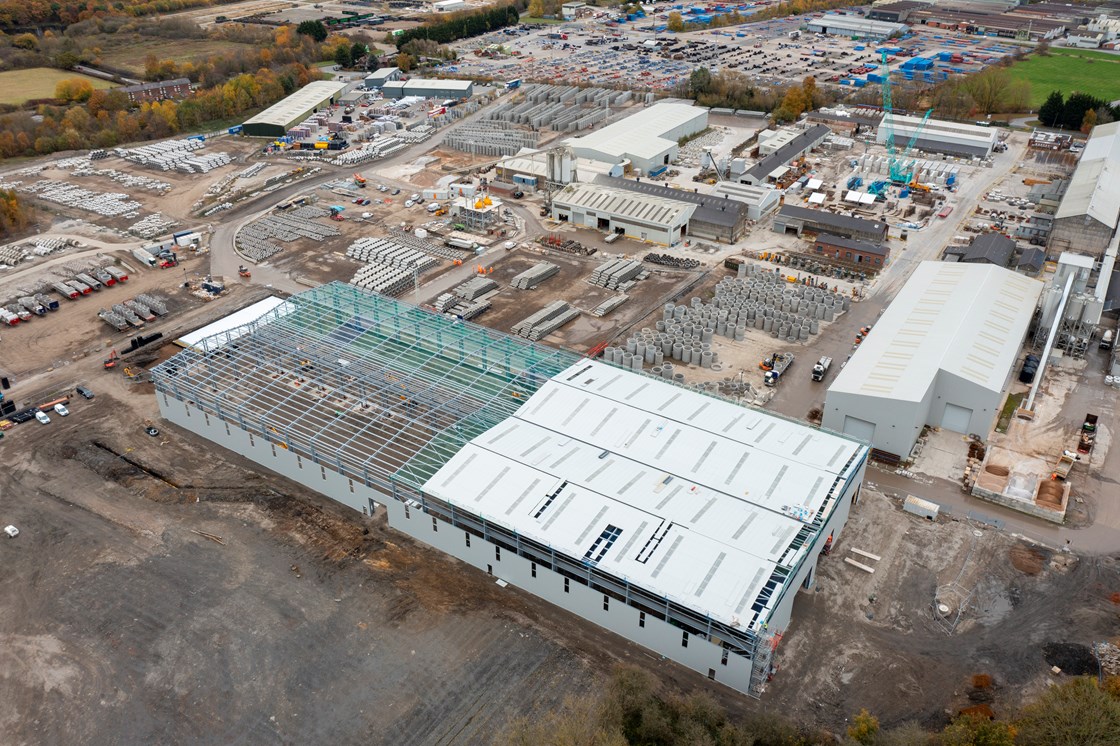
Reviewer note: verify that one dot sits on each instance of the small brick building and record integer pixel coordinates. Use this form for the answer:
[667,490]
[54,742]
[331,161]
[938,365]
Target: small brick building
[850,253]
[158,91]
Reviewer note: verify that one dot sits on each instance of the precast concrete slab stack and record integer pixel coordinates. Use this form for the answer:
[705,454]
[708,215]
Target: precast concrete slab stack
[545,321]
[474,288]
[616,273]
[609,305]
[534,276]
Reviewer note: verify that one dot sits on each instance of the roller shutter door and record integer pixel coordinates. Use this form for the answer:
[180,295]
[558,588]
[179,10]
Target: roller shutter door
[859,429]
[956,418]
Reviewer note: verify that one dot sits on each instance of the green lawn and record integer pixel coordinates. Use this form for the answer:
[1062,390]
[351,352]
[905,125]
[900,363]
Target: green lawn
[1069,70]
[131,56]
[17,86]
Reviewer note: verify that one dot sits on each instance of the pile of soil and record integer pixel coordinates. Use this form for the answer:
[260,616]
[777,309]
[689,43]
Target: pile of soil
[1073,659]
[1027,559]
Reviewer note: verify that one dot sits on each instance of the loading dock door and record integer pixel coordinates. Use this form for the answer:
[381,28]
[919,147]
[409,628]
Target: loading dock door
[859,429]
[956,418]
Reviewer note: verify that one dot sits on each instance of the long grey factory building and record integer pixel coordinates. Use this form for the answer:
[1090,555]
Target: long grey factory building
[678,520]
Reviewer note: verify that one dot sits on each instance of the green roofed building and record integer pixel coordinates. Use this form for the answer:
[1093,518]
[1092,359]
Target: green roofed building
[276,120]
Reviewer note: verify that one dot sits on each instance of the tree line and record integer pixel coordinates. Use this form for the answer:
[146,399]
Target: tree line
[1078,112]
[14,214]
[23,13]
[633,711]
[460,26]
[229,86]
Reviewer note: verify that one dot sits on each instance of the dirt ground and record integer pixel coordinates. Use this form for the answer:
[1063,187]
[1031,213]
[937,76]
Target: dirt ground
[510,306]
[874,640]
[74,331]
[303,622]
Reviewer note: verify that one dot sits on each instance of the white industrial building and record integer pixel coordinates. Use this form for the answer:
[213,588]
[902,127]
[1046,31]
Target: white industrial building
[381,76]
[760,200]
[647,139]
[1089,213]
[940,355]
[612,210]
[855,26]
[937,136]
[446,6]
[422,88]
[677,520]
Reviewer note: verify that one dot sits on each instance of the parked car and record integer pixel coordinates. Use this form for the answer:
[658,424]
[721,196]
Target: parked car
[61,409]
[42,417]
[11,531]
[396,192]
[84,392]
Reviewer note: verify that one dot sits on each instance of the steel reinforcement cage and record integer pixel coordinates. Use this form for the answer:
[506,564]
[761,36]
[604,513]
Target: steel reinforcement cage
[379,390]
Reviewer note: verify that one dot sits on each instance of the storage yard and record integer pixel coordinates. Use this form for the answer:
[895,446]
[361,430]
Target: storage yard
[864,381]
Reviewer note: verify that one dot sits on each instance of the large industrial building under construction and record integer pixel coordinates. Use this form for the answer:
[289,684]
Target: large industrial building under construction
[676,519]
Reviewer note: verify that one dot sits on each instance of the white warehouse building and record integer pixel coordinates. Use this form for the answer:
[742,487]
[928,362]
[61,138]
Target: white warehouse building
[648,139]
[937,136]
[760,200]
[645,217]
[680,521]
[940,355]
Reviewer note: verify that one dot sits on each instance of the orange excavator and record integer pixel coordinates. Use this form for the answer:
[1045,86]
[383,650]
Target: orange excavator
[111,361]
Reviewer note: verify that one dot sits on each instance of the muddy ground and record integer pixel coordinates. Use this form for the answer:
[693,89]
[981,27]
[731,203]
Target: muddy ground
[298,621]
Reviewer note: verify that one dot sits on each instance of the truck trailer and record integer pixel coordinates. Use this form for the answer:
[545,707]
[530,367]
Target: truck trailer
[820,370]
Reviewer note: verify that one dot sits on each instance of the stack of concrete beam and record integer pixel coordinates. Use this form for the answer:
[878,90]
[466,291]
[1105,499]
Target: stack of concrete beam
[490,138]
[389,253]
[475,288]
[534,276]
[616,272]
[450,304]
[609,305]
[384,279]
[545,321]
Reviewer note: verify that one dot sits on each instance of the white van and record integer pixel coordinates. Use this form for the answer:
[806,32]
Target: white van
[409,203]
[42,417]
[433,207]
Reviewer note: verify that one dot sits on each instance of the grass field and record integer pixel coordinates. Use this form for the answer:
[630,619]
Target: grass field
[17,86]
[131,56]
[1069,70]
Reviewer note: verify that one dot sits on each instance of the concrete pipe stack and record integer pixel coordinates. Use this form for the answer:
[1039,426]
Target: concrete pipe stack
[760,299]
[673,342]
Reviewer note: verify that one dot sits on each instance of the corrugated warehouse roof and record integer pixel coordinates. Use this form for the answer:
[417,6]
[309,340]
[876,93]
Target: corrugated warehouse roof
[709,208]
[641,135]
[624,204]
[845,222]
[967,320]
[311,96]
[756,195]
[795,147]
[1092,190]
[691,497]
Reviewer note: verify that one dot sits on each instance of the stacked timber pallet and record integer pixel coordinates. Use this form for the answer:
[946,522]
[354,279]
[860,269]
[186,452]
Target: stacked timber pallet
[534,276]
[545,321]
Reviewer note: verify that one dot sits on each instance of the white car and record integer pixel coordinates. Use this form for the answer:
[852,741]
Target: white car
[11,531]
[409,203]
[415,198]
[61,409]
[42,417]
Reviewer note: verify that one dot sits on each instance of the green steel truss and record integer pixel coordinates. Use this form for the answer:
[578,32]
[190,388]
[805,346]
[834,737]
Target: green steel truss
[385,391]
